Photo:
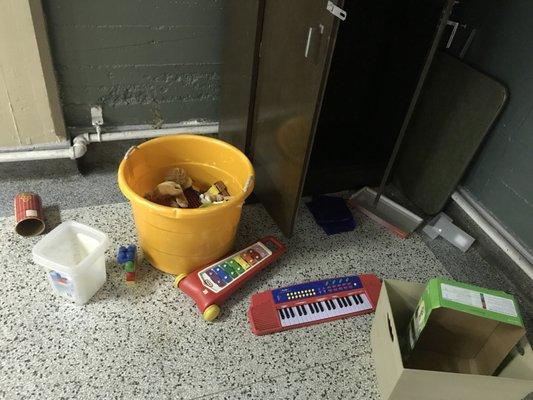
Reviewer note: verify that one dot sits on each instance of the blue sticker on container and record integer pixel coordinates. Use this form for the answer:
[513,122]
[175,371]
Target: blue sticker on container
[62,284]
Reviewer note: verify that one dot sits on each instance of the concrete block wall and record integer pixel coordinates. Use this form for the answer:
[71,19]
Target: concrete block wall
[147,62]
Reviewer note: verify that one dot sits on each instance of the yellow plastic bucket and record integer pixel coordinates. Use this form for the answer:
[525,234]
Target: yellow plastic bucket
[178,240]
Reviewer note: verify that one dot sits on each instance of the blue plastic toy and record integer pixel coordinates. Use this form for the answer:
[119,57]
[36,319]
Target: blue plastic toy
[127,259]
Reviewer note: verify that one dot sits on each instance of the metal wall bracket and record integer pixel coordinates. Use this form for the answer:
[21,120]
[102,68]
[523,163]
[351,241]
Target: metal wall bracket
[336,11]
[454,26]
[97,120]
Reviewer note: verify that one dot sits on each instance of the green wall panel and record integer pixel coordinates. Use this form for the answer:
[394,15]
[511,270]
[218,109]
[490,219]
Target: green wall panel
[501,177]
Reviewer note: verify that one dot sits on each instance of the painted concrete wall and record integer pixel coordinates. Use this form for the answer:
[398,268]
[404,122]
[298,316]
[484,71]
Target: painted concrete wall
[145,61]
[30,113]
[502,175]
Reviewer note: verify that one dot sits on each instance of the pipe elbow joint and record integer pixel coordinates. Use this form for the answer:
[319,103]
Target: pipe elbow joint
[79,147]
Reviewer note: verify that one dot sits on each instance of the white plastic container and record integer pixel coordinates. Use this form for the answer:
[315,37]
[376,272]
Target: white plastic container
[74,260]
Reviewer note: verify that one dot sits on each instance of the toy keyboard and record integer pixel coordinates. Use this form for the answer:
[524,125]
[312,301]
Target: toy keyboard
[209,287]
[312,303]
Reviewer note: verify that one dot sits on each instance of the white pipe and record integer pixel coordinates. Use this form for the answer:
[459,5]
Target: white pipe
[81,142]
[36,155]
[500,241]
[151,133]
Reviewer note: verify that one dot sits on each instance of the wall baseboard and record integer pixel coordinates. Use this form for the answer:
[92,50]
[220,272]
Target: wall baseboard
[504,239]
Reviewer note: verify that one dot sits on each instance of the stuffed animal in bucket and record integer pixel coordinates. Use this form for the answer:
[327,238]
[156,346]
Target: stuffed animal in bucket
[168,193]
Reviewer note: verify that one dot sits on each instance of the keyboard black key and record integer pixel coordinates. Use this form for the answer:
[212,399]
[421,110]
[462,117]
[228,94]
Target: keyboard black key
[332,303]
[327,304]
[347,298]
[286,312]
[300,313]
[360,298]
[344,302]
[339,302]
[292,312]
[320,306]
[281,314]
[311,308]
[304,309]
[355,299]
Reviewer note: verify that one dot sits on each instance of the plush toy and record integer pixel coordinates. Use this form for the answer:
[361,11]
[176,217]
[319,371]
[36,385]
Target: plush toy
[177,191]
[180,176]
[208,198]
[168,193]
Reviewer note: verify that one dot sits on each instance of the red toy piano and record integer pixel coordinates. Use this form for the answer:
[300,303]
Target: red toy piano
[312,303]
[212,285]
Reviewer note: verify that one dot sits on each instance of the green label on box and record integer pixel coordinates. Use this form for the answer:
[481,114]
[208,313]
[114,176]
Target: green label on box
[478,299]
[486,303]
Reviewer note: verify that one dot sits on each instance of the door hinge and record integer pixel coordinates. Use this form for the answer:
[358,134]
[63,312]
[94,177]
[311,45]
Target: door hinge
[336,11]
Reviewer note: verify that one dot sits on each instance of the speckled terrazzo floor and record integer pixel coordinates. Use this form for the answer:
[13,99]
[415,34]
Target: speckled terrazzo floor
[148,341]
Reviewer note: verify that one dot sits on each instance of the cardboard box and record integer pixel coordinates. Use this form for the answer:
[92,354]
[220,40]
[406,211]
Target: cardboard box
[397,303]
[463,328]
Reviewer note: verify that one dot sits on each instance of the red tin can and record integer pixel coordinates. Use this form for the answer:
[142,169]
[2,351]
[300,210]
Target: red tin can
[29,216]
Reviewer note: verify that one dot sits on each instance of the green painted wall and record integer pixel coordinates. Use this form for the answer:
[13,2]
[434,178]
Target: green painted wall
[502,175]
[144,61]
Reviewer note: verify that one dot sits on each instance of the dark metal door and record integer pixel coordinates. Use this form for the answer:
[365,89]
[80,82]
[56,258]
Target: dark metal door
[297,42]
[242,35]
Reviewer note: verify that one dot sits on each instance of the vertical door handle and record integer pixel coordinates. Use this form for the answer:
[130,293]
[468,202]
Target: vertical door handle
[308,44]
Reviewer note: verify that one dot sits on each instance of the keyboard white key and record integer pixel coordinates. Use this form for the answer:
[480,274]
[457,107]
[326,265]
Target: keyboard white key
[315,311]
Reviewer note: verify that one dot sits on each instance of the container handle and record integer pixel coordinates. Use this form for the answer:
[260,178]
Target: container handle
[390,328]
[130,150]
[249,185]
